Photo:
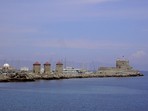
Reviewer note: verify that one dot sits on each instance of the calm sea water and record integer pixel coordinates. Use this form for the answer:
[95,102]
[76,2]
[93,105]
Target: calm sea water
[93,94]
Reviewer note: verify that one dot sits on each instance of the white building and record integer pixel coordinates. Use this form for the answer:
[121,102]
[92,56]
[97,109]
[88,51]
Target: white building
[24,69]
[6,68]
[71,70]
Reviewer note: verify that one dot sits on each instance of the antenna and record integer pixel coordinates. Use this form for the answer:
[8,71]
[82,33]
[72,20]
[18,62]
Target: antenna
[65,62]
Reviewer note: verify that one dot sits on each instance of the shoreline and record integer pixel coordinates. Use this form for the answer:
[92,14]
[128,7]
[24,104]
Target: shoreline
[31,77]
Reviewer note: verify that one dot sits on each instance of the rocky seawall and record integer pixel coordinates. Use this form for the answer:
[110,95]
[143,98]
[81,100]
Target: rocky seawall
[16,78]
[25,77]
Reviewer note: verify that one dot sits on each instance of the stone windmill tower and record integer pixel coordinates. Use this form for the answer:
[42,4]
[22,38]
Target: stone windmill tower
[47,68]
[36,68]
[59,68]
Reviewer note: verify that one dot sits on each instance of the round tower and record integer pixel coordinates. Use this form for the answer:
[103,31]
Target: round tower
[59,68]
[36,68]
[123,64]
[47,68]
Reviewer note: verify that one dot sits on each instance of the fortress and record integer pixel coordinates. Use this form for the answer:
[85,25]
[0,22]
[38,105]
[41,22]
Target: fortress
[122,67]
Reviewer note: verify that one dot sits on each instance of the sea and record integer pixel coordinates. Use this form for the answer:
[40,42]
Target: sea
[85,94]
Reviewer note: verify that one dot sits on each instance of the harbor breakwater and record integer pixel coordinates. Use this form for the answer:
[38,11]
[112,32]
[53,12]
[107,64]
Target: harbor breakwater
[32,77]
[122,69]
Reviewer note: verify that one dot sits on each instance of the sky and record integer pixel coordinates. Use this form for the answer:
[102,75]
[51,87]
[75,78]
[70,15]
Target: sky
[88,33]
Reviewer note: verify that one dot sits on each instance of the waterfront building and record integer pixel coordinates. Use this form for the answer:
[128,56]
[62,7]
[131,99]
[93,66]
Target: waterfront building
[6,68]
[123,64]
[59,68]
[47,68]
[36,68]
[24,69]
[122,67]
[71,70]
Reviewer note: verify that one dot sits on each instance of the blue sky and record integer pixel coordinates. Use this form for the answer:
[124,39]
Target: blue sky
[80,31]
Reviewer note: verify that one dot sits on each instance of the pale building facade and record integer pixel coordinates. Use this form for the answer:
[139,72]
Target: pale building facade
[122,67]
[59,68]
[36,68]
[47,68]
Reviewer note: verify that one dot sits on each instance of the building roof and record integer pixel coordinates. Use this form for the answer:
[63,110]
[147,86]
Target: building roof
[37,63]
[47,63]
[6,65]
[59,63]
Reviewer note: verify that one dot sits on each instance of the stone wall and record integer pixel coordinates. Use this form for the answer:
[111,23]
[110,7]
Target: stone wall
[122,67]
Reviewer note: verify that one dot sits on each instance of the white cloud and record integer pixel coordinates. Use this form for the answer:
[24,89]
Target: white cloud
[139,54]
